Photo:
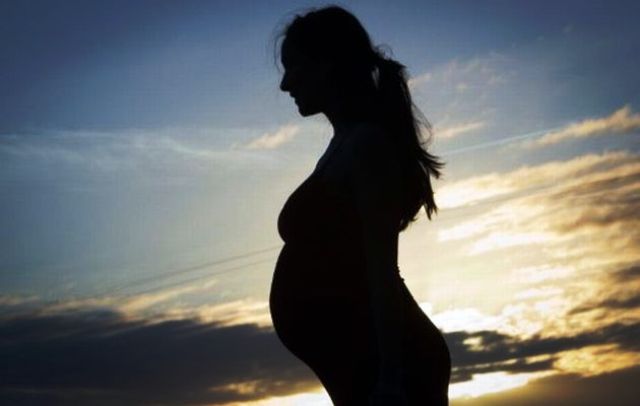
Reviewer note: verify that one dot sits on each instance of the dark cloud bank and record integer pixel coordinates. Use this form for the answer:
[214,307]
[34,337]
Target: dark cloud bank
[98,357]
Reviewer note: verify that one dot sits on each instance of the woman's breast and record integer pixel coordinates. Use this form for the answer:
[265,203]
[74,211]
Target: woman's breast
[315,213]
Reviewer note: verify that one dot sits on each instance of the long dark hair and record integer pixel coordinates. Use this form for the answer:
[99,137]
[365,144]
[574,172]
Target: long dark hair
[334,34]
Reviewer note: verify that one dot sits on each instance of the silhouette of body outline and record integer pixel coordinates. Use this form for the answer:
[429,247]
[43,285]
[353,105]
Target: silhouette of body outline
[337,300]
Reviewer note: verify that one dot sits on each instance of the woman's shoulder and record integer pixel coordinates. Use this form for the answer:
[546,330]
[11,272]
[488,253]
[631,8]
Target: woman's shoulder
[369,138]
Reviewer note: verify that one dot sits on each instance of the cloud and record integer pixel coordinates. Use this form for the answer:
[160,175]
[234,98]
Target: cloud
[242,311]
[542,273]
[98,356]
[12,300]
[455,130]
[622,121]
[419,80]
[619,388]
[166,153]
[473,72]
[597,193]
[152,304]
[272,140]
[619,293]
[495,346]
[133,306]
[465,319]
[628,274]
[487,352]
[588,167]
[467,92]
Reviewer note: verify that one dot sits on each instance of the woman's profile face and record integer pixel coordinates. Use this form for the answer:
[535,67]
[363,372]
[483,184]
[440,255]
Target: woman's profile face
[305,80]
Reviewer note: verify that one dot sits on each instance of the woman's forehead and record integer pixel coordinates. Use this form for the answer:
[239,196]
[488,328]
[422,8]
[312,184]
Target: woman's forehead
[291,53]
[285,53]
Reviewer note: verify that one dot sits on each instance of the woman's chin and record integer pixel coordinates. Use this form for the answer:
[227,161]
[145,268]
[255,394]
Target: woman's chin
[306,111]
[303,112]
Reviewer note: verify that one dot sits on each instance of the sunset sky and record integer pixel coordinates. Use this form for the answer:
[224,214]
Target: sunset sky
[146,151]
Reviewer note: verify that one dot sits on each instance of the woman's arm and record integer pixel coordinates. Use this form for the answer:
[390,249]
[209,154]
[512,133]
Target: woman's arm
[376,181]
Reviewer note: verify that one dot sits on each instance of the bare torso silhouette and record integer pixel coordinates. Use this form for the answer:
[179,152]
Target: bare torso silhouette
[319,301]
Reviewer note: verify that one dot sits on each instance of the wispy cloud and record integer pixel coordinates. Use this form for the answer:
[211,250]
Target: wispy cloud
[595,194]
[455,130]
[460,95]
[133,306]
[458,73]
[567,389]
[526,178]
[618,293]
[272,140]
[242,311]
[622,121]
[168,150]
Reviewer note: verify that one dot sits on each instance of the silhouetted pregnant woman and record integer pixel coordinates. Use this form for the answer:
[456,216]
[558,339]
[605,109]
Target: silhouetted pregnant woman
[337,300]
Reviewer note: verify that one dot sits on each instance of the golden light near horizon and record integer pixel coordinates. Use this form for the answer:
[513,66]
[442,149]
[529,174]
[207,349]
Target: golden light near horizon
[315,398]
[493,382]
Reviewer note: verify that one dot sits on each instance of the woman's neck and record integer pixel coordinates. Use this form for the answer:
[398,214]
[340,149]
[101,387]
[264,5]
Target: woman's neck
[345,120]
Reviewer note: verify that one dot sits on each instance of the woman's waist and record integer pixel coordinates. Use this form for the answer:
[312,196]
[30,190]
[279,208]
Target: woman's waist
[320,224]
[324,275]
[347,261]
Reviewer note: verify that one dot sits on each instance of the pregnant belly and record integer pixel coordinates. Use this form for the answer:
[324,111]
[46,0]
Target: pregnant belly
[316,300]
[319,303]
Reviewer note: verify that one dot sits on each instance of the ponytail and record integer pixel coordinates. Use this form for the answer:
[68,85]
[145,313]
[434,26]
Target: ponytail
[403,120]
